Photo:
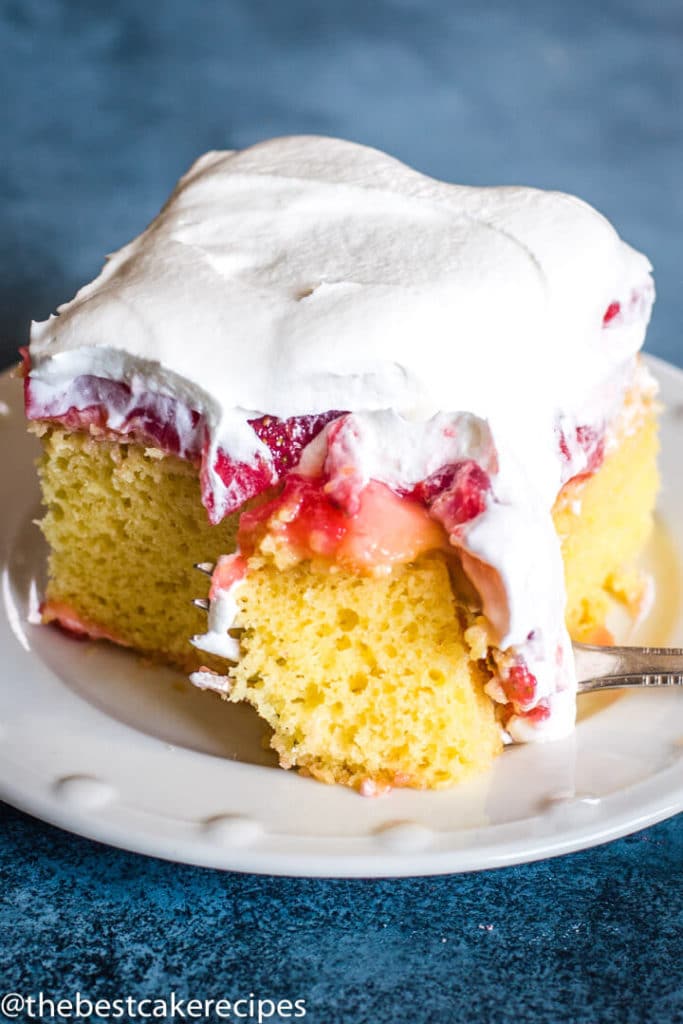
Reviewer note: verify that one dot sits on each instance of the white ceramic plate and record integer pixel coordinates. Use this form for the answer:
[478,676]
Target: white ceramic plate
[97,743]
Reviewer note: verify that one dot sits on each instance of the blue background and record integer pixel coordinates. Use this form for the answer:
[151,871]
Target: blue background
[104,106]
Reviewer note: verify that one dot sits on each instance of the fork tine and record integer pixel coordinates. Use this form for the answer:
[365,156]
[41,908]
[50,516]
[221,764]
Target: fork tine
[205,567]
[201,602]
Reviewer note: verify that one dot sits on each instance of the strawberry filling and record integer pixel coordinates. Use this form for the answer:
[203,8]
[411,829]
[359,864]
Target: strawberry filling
[303,522]
[588,452]
[520,685]
[612,311]
[634,307]
[285,440]
[93,404]
[455,494]
[110,409]
[539,713]
[229,570]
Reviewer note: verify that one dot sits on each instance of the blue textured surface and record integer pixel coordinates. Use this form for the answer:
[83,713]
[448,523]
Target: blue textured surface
[590,938]
[105,105]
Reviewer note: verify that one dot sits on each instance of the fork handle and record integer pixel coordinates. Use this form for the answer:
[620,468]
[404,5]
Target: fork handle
[612,667]
[626,681]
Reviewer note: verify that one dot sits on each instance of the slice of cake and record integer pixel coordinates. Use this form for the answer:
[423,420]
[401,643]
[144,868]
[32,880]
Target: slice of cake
[404,420]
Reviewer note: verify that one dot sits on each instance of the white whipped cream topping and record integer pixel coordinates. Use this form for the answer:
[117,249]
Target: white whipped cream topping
[307,274]
[555,727]
[223,611]
[205,680]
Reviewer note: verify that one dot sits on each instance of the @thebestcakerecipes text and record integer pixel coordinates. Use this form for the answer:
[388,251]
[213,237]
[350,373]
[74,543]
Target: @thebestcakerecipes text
[170,1007]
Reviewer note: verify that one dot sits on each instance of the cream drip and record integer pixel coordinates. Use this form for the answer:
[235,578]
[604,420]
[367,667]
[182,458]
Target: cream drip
[223,611]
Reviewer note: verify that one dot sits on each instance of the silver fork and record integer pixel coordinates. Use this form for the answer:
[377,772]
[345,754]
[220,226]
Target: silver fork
[597,668]
[616,668]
